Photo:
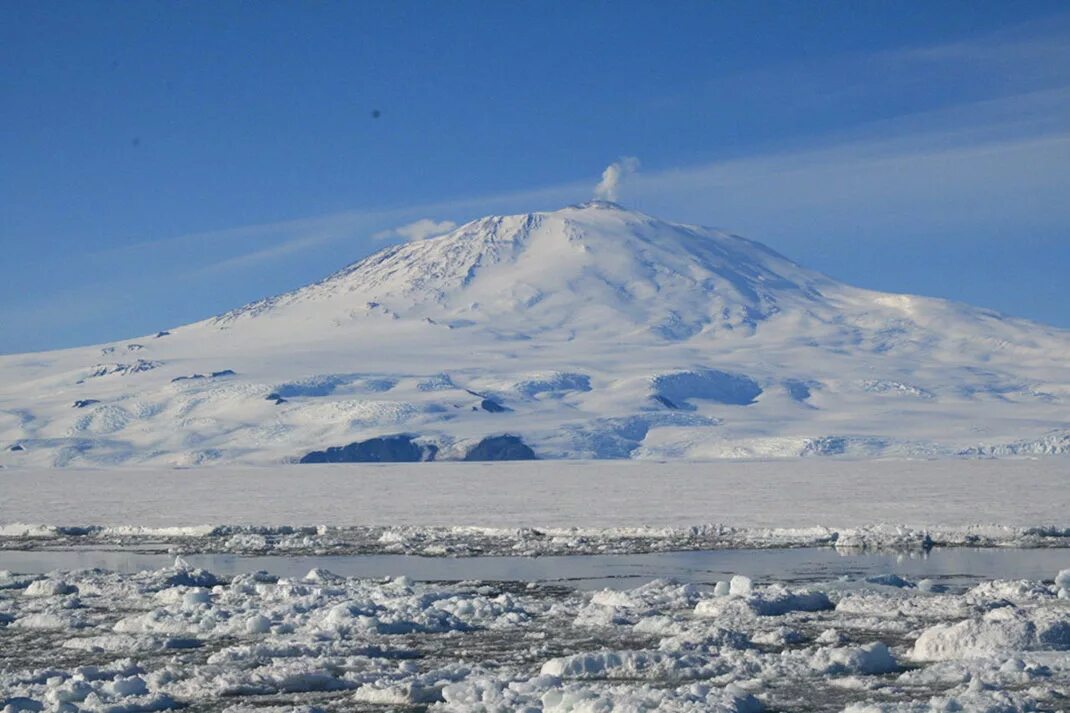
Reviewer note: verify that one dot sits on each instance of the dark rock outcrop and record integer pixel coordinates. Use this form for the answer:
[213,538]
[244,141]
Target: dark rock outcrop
[500,448]
[492,406]
[707,384]
[827,446]
[387,449]
[665,402]
[797,389]
[123,369]
[213,375]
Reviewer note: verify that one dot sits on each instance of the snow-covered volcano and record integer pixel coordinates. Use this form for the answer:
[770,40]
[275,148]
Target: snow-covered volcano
[587,332]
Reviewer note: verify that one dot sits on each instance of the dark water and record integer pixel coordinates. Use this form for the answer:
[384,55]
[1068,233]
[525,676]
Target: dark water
[953,566]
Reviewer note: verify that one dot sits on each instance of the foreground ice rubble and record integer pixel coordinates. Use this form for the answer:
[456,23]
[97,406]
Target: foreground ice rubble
[95,640]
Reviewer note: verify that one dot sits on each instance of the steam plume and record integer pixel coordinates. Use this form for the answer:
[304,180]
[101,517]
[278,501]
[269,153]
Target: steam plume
[608,189]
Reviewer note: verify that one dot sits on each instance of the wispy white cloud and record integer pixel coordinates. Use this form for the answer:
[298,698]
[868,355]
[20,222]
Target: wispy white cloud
[1007,143]
[1020,141]
[1033,45]
[416,230]
[992,159]
[248,246]
[283,239]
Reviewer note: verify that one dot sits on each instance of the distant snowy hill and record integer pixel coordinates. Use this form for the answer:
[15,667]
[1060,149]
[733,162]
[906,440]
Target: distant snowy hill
[587,332]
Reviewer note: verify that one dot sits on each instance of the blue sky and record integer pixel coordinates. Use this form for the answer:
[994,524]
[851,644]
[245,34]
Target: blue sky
[163,162]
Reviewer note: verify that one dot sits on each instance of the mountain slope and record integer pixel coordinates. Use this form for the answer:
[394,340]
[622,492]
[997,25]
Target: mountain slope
[591,331]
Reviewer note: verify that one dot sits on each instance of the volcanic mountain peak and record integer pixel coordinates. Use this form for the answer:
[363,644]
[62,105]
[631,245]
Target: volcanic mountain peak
[589,265]
[588,332]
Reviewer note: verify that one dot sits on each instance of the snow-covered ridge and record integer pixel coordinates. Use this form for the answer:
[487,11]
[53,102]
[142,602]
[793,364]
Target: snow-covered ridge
[488,268]
[587,332]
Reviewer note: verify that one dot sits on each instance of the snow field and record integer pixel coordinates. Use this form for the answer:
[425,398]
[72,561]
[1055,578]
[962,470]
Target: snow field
[538,508]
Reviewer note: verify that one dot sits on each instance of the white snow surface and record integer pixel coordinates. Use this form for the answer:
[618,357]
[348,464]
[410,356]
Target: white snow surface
[605,333]
[536,507]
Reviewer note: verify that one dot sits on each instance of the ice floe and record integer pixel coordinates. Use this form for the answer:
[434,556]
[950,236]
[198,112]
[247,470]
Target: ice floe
[95,640]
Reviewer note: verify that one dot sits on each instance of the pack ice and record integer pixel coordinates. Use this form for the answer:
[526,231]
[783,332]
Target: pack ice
[586,332]
[181,637]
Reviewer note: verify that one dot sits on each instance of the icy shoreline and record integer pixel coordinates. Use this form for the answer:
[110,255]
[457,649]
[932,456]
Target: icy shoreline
[526,542]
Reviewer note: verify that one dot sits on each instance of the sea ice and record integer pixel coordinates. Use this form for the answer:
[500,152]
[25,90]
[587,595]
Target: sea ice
[94,640]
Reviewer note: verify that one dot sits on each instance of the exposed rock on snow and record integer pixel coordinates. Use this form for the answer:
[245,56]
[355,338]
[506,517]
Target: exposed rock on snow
[492,406]
[137,367]
[706,384]
[389,449]
[500,448]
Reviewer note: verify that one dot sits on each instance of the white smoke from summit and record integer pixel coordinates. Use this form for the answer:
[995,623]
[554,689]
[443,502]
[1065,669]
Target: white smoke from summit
[608,189]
